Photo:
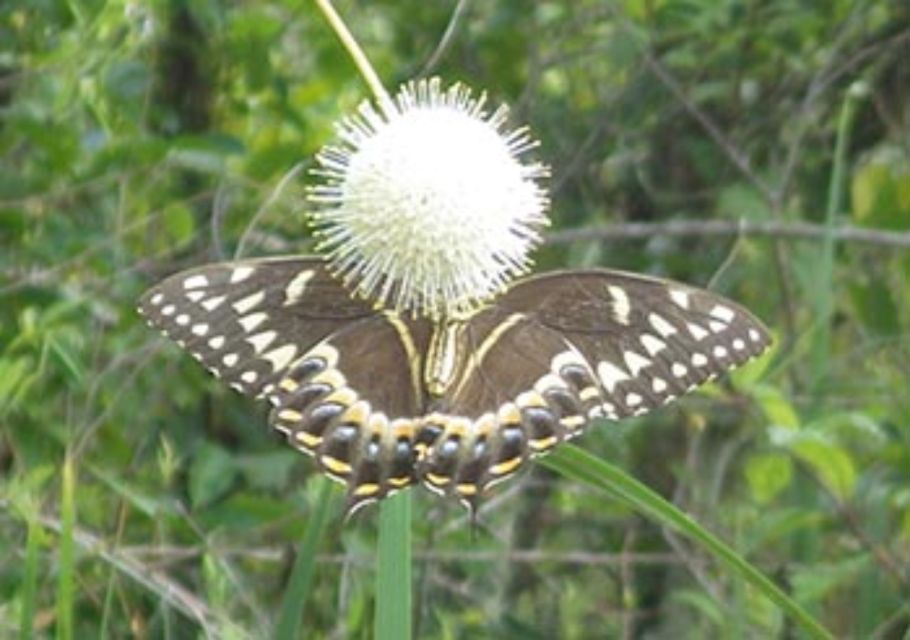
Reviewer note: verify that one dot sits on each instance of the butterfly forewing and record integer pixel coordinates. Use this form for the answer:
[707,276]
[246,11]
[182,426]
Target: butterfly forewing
[648,340]
[248,321]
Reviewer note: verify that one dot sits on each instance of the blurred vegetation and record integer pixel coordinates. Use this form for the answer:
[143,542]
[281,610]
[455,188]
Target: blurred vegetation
[139,498]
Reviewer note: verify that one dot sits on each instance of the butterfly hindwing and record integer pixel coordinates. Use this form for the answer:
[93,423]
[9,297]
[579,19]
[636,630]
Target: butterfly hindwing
[352,400]
[248,321]
[561,349]
[523,389]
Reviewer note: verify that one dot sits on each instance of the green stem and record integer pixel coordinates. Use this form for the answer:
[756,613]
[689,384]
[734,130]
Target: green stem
[357,55]
[67,577]
[575,463]
[293,603]
[824,282]
[393,573]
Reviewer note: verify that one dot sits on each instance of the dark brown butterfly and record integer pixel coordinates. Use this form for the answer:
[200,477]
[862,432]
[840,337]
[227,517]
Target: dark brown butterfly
[382,400]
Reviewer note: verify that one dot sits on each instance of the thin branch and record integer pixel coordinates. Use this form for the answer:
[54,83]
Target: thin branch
[446,40]
[730,228]
[736,156]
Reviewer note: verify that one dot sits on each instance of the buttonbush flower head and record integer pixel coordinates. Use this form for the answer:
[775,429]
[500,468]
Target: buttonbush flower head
[425,204]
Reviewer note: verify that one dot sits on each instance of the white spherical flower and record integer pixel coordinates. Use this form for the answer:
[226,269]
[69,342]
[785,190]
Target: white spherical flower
[426,206]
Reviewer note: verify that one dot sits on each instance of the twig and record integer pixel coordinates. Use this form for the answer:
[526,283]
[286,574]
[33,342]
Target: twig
[727,228]
[446,40]
[154,554]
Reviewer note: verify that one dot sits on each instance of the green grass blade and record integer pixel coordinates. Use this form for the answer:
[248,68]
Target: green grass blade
[294,602]
[66,587]
[30,578]
[393,573]
[581,466]
[824,279]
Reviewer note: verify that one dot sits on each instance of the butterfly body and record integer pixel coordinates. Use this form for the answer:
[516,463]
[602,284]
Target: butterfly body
[383,400]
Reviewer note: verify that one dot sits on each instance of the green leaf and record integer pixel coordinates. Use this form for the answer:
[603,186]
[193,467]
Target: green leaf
[179,225]
[872,304]
[212,472]
[880,189]
[815,583]
[768,474]
[776,407]
[268,471]
[833,465]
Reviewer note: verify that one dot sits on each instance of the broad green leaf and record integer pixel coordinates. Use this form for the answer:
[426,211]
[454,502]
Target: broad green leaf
[880,190]
[268,471]
[815,583]
[768,474]
[776,407]
[831,462]
[212,472]
[179,224]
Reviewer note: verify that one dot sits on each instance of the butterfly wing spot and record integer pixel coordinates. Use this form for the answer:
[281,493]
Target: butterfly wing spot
[754,335]
[195,282]
[200,329]
[281,357]
[289,415]
[241,273]
[633,399]
[213,303]
[549,381]
[249,377]
[698,332]
[726,314]
[307,440]
[261,341]
[339,469]
[621,305]
[248,303]
[658,385]
[679,370]
[738,344]
[679,297]
[216,342]
[156,299]
[699,359]
[296,287]
[717,327]
[661,325]
[250,322]
[610,375]
[635,362]
[652,344]
[195,295]
[182,320]
[720,351]
[168,310]
[230,359]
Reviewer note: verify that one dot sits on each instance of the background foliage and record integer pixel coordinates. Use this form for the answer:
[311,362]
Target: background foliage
[141,498]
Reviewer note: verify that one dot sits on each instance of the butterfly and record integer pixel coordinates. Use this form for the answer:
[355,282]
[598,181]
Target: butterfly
[383,400]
